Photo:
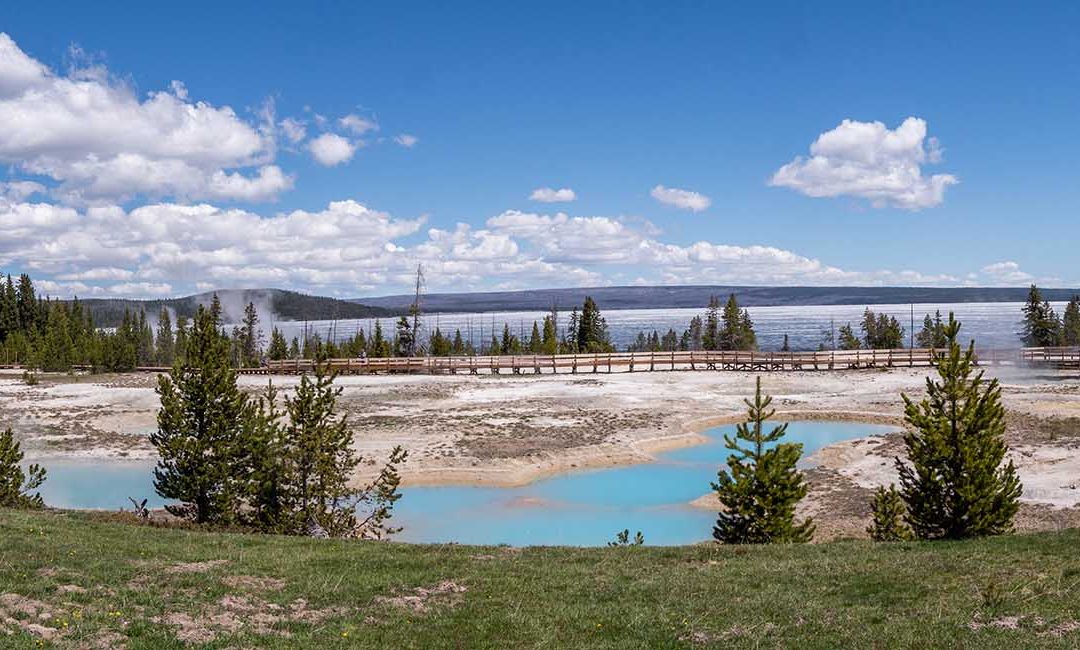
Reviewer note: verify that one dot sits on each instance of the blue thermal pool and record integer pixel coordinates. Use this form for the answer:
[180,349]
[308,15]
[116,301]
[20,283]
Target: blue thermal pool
[582,508]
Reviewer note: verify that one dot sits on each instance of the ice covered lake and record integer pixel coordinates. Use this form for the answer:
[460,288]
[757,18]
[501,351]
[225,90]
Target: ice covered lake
[993,325]
[580,508]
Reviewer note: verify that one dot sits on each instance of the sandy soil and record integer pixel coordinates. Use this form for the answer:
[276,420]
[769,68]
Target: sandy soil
[510,430]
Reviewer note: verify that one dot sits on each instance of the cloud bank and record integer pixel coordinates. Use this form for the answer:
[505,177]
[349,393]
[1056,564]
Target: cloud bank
[349,249]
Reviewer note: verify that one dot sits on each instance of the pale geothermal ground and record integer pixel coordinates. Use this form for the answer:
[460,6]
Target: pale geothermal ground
[509,430]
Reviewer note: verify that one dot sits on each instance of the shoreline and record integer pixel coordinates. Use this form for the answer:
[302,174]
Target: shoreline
[608,456]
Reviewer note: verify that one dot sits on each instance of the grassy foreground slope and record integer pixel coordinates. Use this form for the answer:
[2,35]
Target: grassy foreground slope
[95,583]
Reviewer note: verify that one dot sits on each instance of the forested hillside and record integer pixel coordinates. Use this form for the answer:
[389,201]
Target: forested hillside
[283,305]
[670,297]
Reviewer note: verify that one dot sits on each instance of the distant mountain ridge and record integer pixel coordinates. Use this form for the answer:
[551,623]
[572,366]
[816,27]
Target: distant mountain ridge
[671,297]
[272,304]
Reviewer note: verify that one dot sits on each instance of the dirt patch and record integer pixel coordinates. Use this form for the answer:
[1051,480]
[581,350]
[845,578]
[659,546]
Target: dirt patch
[734,632]
[1061,629]
[105,640]
[1031,624]
[29,615]
[146,580]
[235,613]
[195,567]
[1023,428]
[421,599]
[253,583]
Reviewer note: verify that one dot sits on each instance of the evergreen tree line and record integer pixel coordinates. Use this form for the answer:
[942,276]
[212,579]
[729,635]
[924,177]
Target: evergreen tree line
[55,335]
[586,331]
[729,328]
[273,465]
[955,482]
[1043,328]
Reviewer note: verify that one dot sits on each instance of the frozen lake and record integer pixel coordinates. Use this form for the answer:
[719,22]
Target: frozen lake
[993,325]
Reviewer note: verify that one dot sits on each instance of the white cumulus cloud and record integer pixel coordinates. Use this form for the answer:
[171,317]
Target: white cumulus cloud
[92,134]
[868,160]
[406,140]
[684,199]
[330,149]
[551,195]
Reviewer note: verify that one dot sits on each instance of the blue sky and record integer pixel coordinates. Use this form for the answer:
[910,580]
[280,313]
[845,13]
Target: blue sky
[609,100]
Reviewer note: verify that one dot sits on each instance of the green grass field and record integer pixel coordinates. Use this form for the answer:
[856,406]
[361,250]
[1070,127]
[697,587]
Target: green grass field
[89,581]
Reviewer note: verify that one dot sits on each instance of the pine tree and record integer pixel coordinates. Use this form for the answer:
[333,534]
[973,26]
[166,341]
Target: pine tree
[266,466]
[592,333]
[932,334]
[15,484]
[200,425]
[27,305]
[1041,325]
[439,345]
[536,344]
[747,336]
[180,343]
[571,345]
[55,347]
[1070,323]
[250,337]
[551,336]
[762,486]
[710,335]
[881,331]
[320,461]
[509,341]
[888,511]
[670,341]
[695,334]
[403,342]
[730,337]
[166,343]
[144,341]
[954,482]
[278,349]
[848,340]
[381,346]
[9,310]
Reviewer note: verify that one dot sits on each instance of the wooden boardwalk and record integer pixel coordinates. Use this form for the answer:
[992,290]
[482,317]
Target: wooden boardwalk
[1063,358]
[654,361]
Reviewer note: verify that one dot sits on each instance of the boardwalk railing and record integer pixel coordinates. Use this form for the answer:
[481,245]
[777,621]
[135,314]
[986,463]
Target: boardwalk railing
[1067,357]
[695,360]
